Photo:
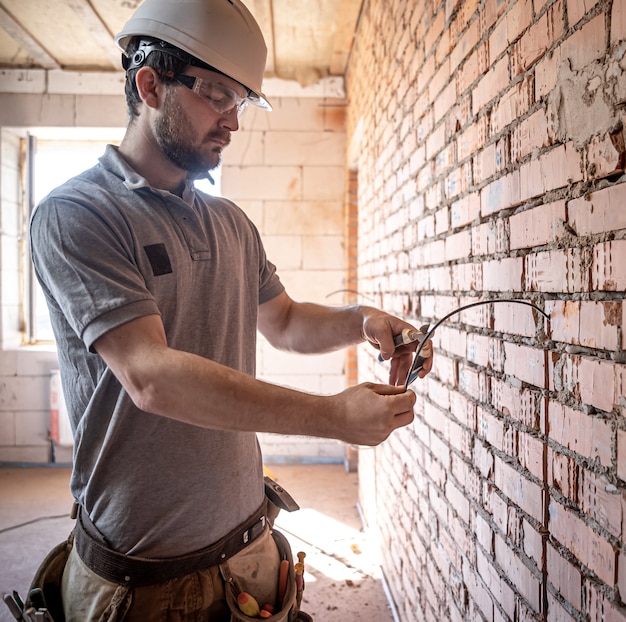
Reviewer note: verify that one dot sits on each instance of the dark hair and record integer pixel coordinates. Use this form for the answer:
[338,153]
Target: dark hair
[165,63]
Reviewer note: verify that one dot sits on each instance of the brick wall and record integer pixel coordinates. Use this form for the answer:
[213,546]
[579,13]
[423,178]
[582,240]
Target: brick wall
[491,159]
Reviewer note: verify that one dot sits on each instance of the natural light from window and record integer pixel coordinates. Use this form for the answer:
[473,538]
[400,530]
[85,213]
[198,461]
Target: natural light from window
[57,159]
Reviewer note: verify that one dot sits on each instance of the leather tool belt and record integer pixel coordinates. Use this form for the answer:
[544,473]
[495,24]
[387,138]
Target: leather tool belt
[133,571]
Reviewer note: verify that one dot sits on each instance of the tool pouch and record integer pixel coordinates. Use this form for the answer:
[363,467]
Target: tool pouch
[285,611]
[49,576]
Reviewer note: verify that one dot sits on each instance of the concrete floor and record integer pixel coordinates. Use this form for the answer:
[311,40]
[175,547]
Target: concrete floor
[343,581]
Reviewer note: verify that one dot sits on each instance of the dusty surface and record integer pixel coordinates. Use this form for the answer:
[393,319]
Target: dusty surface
[342,578]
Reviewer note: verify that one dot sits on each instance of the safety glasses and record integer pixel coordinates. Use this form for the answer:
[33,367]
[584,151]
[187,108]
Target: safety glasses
[220,98]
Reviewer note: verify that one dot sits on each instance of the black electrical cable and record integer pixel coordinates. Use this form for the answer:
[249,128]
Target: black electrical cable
[417,360]
[34,520]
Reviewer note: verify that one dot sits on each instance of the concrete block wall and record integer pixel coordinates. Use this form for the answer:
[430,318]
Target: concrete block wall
[490,141]
[285,168]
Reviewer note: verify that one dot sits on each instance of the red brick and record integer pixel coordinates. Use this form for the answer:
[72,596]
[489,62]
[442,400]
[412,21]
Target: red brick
[458,245]
[576,10]
[464,210]
[594,374]
[473,382]
[537,226]
[531,454]
[586,45]
[592,324]
[618,24]
[578,374]
[583,542]
[468,141]
[565,577]
[489,13]
[563,474]
[609,266]
[552,170]
[515,319]
[512,105]
[533,543]
[602,158]
[503,275]
[444,100]
[490,85]
[535,42]
[601,501]
[598,212]
[557,612]
[465,45]
[621,575]
[519,574]
[556,271]
[488,238]
[599,606]
[477,592]
[434,30]
[520,404]
[525,363]
[521,491]
[501,194]
[530,135]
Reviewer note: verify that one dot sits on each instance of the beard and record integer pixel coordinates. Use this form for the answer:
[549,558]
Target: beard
[176,139]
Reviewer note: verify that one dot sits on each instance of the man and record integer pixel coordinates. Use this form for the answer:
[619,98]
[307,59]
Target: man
[155,292]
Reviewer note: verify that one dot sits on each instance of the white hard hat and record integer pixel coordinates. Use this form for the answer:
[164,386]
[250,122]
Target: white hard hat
[220,33]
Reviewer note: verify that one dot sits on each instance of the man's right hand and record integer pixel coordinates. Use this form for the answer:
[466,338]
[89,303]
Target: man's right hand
[368,413]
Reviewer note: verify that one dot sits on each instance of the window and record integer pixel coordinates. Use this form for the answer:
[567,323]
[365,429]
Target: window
[53,156]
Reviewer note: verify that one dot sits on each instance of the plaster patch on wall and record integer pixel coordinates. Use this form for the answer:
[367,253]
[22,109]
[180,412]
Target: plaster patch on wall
[583,103]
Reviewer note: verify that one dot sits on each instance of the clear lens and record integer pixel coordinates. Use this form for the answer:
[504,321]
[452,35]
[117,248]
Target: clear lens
[221,99]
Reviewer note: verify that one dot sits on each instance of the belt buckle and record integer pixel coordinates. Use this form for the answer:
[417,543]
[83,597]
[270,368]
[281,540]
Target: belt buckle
[253,531]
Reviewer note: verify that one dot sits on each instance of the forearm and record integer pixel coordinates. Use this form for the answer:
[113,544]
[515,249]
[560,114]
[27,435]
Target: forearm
[195,390]
[315,329]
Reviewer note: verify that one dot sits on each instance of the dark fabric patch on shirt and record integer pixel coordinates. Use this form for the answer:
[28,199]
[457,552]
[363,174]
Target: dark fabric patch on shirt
[159,259]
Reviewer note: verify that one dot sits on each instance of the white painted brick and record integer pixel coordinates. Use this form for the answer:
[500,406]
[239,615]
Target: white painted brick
[285,251]
[255,211]
[314,285]
[296,447]
[31,427]
[262,182]
[245,149]
[323,183]
[277,362]
[7,428]
[287,114]
[37,361]
[100,111]
[24,394]
[323,253]
[304,218]
[8,362]
[305,148]
[27,110]
[23,81]
[40,454]
[90,83]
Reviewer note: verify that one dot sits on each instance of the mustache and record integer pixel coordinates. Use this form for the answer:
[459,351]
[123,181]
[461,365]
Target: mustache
[223,137]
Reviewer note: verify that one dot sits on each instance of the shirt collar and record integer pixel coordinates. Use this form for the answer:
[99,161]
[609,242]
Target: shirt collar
[116,164]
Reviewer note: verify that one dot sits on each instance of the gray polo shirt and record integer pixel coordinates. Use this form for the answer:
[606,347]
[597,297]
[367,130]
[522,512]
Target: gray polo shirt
[107,249]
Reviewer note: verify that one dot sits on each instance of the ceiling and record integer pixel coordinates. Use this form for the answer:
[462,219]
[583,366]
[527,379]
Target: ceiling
[307,39]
